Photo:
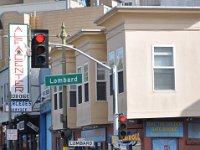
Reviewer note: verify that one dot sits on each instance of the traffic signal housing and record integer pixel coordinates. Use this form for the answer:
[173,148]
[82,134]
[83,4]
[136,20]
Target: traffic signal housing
[40,49]
[122,130]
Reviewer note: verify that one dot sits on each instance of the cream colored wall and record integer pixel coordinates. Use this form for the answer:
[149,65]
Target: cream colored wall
[142,31]
[56,69]
[92,112]
[145,102]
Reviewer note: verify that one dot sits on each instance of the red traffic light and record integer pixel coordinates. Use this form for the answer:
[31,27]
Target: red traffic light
[122,118]
[40,38]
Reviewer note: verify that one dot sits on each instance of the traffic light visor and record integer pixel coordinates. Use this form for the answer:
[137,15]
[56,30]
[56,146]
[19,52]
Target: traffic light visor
[40,38]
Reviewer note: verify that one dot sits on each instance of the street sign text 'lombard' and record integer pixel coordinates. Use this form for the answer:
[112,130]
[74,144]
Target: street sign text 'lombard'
[66,79]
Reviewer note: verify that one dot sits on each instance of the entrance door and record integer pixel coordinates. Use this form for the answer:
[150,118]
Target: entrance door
[165,144]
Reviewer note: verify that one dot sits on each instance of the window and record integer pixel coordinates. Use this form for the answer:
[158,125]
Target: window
[117,57]
[101,83]
[111,62]
[86,84]
[72,95]
[1,96]
[164,74]
[57,96]
[60,97]
[120,67]
[79,87]
[1,46]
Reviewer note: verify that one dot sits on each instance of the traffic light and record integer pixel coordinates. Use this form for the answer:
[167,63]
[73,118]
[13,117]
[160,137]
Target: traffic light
[40,49]
[122,130]
[66,134]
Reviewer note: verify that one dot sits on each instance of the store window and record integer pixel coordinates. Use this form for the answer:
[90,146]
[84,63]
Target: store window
[101,83]
[164,68]
[165,144]
[194,130]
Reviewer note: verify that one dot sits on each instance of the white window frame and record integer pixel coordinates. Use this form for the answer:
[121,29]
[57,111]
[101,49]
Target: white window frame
[85,82]
[1,44]
[59,90]
[105,80]
[116,57]
[77,93]
[72,88]
[167,67]
[111,57]
[55,92]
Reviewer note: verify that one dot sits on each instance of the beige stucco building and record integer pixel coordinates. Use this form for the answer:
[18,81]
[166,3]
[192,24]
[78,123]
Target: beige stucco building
[156,53]
[159,49]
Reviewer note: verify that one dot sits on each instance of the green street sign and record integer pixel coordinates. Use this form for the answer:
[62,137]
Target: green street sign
[66,79]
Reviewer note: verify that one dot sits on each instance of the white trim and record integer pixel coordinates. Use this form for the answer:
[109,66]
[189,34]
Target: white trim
[77,97]
[105,80]
[85,82]
[163,67]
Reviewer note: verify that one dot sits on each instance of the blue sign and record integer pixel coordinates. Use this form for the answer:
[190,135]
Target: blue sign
[96,135]
[164,129]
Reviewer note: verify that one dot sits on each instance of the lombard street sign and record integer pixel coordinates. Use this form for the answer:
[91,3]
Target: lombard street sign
[66,79]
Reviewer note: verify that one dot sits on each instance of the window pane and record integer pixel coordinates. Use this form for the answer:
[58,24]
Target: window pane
[85,73]
[164,79]
[60,100]
[55,101]
[163,61]
[79,70]
[111,84]
[120,82]
[111,59]
[79,94]
[101,90]
[163,56]
[100,72]
[86,87]
[72,98]
[120,59]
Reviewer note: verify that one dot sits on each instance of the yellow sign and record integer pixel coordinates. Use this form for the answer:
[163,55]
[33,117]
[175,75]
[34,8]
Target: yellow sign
[65,148]
[134,136]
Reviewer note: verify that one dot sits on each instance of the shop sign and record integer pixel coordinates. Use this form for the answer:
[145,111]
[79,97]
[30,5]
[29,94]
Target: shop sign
[95,135]
[20,125]
[18,64]
[45,93]
[32,126]
[11,134]
[81,143]
[164,129]
[19,106]
[131,139]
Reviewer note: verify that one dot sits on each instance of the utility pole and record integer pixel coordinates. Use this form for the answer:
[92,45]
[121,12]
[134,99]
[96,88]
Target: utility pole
[63,35]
